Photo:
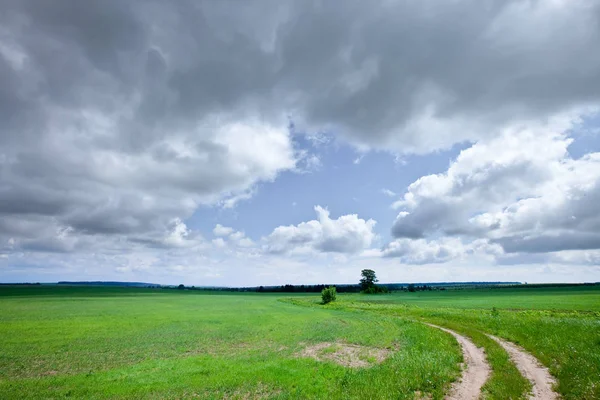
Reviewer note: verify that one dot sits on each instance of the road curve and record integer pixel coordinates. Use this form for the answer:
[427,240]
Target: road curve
[531,369]
[476,372]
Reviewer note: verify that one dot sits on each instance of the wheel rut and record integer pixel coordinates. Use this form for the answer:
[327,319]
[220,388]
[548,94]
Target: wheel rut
[531,369]
[476,372]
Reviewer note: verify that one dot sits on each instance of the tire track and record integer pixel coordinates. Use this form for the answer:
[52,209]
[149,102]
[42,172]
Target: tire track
[476,372]
[531,369]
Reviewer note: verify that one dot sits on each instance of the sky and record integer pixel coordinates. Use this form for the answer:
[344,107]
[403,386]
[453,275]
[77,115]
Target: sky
[285,142]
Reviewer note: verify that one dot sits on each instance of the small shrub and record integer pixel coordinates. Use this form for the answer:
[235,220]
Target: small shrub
[369,290]
[375,289]
[328,294]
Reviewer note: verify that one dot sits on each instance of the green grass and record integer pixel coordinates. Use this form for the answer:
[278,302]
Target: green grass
[95,342]
[102,343]
[560,326]
[505,381]
[569,298]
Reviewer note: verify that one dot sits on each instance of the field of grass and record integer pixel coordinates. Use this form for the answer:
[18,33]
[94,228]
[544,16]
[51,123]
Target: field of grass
[560,326]
[94,342]
[86,342]
[568,298]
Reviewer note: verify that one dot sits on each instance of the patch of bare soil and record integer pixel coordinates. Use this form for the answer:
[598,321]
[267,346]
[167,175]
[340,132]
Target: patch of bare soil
[476,371]
[532,369]
[260,392]
[422,396]
[348,355]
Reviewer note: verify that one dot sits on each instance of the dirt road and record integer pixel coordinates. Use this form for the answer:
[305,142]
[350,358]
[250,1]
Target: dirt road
[476,371]
[530,368]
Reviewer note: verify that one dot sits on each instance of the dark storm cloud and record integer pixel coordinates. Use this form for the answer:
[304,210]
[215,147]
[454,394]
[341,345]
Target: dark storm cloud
[545,243]
[121,116]
[370,70]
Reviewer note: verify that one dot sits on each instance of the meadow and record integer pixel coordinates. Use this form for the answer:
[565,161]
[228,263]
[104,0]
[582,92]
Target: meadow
[560,326]
[97,342]
[142,343]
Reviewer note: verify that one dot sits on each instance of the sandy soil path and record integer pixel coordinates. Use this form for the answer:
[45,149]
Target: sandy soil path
[532,369]
[476,372]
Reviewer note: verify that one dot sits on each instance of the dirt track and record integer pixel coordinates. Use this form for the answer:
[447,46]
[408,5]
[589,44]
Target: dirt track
[476,372]
[530,368]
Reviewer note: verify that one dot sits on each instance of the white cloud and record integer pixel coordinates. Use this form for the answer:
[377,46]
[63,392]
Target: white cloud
[108,154]
[232,200]
[220,230]
[388,192]
[237,235]
[358,159]
[309,163]
[228,237]
[422,251]
[346,234]
[521,190]
[180,236]
[219,242]
[239,238]
[577,257]
[246,242]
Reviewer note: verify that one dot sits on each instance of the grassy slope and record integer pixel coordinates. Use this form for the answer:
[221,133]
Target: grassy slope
[134,343]
[560,326]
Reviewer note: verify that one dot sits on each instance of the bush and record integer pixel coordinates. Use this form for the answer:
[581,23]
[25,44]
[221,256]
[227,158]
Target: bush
[328,294]
[375,289]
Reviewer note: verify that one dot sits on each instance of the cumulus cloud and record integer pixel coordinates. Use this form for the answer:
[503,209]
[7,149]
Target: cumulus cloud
[120,119]
[521,190]
[221,230]
[346,234]
[227,236]
[240,239]
[219,242]
[422,251]
[96,142]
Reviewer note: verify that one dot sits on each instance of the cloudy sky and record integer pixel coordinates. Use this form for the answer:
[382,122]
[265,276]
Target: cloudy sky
[272,142]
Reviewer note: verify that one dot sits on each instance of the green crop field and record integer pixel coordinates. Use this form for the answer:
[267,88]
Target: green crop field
[97,342]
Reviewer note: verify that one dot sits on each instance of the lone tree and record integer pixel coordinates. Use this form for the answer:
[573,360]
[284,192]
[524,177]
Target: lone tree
[367,282]
[368,279]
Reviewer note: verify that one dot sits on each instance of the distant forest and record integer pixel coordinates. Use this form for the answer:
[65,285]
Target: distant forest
[345,288]
[341,288]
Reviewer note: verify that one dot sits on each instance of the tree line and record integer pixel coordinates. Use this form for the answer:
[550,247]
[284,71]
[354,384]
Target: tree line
[367,285]
[279,289]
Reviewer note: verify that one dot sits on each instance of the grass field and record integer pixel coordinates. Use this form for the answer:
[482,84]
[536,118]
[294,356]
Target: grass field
[92,342]
[134,343]
[560,326]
